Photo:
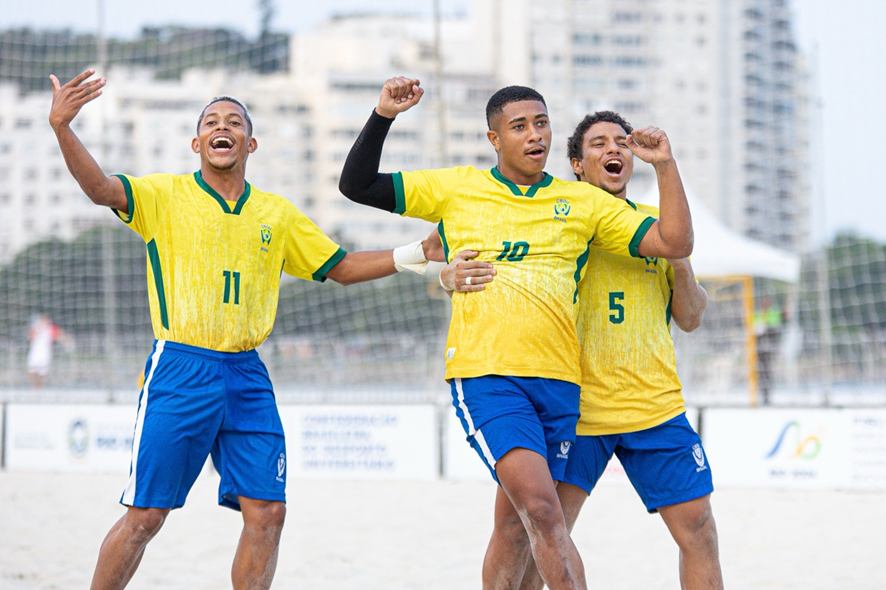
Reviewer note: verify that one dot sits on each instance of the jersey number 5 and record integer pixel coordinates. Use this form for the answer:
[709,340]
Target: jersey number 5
[616,309]
[514,252]
[236,275]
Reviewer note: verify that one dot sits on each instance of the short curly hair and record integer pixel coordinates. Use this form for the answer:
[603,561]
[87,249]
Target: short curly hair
[505,96]
[226,98]
[575,144]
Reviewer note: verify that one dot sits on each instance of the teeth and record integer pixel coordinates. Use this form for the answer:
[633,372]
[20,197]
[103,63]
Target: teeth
[222,142]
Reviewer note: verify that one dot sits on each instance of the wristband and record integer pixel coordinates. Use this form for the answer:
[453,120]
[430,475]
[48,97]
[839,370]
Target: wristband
[445,288]
[410,257]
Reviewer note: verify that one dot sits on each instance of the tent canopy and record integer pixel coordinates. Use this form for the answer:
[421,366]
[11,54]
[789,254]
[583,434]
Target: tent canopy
[721,252]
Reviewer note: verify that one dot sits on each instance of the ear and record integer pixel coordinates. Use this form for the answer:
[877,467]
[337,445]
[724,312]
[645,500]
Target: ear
[494,139]
[195,145]
[251,145]
[577,167]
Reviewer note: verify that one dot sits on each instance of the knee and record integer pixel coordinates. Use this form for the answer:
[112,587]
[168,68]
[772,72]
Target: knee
[144,523]
[543,514]
[266,515]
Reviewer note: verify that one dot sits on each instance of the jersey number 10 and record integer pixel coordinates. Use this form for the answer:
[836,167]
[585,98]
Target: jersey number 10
[514,252]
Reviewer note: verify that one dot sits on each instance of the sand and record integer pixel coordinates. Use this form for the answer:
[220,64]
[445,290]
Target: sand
[432,535]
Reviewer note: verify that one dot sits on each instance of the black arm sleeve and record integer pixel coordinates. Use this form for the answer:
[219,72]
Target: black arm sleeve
[360,180]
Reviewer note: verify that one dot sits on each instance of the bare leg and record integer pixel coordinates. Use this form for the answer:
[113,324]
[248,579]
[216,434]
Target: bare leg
[124,546]
[572,498]
[693,528]
[256,560]
[526,479]
[508,549]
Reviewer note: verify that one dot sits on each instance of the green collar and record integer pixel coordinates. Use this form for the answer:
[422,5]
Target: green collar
[548,179]
[221,201]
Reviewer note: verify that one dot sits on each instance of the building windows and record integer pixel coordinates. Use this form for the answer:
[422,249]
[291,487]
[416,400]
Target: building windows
[587,60]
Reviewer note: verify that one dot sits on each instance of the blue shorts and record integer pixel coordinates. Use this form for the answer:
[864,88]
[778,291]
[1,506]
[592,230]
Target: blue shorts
[666,464]
[503,413]
[195,402]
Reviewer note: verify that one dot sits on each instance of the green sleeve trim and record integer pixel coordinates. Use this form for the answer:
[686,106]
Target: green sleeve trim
[130,205]
[154,257]
[634,246]
[443,240]
[320,275]
[668,310]
[579,265]
[399,194]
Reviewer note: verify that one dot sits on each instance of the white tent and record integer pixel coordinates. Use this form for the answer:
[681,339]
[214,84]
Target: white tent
[721,252]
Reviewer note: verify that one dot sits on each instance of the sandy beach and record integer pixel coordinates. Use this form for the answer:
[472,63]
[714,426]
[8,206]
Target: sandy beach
[432,535]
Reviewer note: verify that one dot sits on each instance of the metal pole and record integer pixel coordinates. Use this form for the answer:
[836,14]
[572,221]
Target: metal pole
[109,292]
[443,156]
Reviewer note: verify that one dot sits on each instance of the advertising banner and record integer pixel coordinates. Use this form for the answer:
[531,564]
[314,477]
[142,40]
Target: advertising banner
[867,449]
[61,438]
[781,448]
[361,442]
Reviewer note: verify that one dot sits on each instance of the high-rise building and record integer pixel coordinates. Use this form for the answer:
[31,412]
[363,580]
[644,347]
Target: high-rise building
[723,78]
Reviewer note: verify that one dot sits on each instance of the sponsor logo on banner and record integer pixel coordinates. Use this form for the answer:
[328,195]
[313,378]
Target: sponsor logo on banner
[78,438]
[794,451]
[281,466]
[564,450]
[793,443]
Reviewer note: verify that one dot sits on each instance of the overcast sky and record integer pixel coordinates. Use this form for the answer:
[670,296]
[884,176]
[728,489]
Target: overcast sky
[845,42]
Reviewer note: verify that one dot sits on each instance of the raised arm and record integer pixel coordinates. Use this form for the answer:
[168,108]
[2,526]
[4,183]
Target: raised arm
[67,101]
[690,300]
[671,236]
[360,180]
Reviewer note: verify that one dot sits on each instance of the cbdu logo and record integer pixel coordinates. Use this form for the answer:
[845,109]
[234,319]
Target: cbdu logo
[795,444]
[562,207]
[266,235]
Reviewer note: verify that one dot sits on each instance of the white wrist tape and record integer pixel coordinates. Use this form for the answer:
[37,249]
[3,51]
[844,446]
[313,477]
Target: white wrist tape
[442,284]
[410,257]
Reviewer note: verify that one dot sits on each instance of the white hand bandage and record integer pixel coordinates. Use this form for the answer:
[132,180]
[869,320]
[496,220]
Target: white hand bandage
[442,284]
[410,257]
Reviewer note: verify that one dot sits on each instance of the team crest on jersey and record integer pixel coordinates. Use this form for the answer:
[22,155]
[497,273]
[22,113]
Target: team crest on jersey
[564,450]
[651,262]
[561,209]
[265,237]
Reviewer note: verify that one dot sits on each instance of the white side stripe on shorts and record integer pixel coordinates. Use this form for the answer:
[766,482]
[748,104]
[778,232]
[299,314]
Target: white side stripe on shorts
[129,493]
[481,442]
[464,406]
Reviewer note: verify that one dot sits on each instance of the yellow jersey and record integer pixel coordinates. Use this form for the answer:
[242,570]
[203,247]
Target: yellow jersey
[214,266]
[538,237]
[629,373]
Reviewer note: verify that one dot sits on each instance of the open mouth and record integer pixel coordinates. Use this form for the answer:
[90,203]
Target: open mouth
[613,166]
[222,144]
[536,152]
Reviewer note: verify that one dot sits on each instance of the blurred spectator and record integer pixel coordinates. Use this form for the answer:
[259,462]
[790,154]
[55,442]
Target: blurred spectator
[43,335]
[768,322]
